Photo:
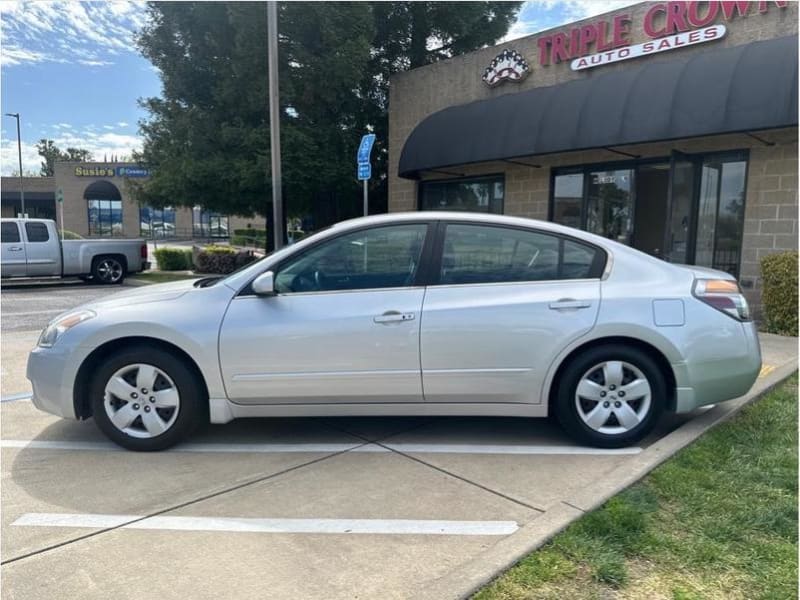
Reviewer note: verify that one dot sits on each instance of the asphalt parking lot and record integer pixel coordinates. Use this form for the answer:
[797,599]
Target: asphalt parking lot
[286,508]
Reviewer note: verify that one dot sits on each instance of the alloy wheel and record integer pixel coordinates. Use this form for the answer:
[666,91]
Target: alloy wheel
[613,397]
[109,270]
[141,400]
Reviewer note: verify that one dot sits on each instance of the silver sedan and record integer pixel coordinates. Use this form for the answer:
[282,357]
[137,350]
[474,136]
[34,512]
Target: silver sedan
[408,314]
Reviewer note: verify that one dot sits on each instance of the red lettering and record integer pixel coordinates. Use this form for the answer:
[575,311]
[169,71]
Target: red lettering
[621,30]
[693,13]
[574,42]
[602,33]
[544,45]
[762,5]
[559,51]
[588,35]
[649,20]
[740,6]
[676,17]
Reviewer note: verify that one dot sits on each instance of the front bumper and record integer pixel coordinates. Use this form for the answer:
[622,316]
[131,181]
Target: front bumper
[51,372]
[712,381]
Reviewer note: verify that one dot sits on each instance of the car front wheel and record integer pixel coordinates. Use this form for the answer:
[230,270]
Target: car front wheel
[610,396]
[146,399]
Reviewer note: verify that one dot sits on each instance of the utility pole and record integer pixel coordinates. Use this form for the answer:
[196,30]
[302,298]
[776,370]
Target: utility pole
[274,122]
[19,151]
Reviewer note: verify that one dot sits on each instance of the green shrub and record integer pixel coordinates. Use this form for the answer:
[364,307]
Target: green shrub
[69,235]
[249,237]
[779,294]
[173,259]
[221,259]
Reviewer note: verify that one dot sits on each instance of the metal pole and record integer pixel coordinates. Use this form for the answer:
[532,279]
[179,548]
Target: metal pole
[61,207]
[366,199]
[19,150]
[274,122]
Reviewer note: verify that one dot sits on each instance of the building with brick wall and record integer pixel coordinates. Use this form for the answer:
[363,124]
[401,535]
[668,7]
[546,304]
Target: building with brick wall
[668,126]
[98,203]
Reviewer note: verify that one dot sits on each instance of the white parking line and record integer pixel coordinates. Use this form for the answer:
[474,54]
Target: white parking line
[333,447]
[250,525]
[16,397]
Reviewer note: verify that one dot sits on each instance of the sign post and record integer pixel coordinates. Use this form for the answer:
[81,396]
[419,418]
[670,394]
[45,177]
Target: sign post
[60,200]
[364,166]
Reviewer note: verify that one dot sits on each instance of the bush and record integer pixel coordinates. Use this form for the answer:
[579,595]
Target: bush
[221,259]
[173,259]
[249,237]
[779,294]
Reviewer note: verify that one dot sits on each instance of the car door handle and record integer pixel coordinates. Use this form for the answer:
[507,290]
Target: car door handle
[569,304]
[15,249]
[393,316]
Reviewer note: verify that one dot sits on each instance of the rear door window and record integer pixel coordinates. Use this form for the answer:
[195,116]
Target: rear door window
[490,254]
[36,232]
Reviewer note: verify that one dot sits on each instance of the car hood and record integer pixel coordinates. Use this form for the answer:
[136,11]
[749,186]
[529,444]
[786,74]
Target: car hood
[146,293]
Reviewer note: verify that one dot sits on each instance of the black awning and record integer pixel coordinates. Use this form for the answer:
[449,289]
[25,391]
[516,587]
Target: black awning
[725,90]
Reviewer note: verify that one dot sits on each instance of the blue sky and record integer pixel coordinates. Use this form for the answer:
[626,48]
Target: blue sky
[72,71]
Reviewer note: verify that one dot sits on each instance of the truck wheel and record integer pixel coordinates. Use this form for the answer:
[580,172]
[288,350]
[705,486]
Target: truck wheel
[108,270]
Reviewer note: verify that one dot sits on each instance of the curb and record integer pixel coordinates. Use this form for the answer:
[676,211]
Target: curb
[472,575]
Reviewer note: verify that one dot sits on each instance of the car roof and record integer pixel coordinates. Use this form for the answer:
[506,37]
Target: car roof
[475,217]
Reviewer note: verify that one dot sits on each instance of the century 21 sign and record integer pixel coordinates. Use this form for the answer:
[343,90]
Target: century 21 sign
[672,24]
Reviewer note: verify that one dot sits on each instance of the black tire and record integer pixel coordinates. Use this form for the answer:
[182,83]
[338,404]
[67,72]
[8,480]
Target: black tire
[192,410]
[108,270]
[566,409]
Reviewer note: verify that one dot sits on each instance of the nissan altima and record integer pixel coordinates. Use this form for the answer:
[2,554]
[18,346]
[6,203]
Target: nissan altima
[408,314]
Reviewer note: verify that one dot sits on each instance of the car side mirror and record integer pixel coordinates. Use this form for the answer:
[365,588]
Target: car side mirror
[264,284]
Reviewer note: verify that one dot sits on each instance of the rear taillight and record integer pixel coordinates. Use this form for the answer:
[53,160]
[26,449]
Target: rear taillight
[143,251]
[724,295]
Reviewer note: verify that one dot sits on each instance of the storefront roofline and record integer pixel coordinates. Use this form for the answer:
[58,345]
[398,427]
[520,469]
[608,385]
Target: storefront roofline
[743,89]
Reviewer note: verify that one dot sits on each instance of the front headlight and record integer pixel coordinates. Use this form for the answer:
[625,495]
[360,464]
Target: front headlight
[54,330]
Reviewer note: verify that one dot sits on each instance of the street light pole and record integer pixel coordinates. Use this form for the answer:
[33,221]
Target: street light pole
[19,151]
[274,122]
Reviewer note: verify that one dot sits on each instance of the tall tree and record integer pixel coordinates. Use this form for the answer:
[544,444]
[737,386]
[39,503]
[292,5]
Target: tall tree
[207,137]
[51,153]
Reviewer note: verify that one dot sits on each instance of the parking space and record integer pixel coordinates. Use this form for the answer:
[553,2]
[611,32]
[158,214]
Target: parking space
[295,508]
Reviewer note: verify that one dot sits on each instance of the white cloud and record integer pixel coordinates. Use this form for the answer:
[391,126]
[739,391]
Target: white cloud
[100,145]
[108,127]
[122,124]
[89,33]
[538,15]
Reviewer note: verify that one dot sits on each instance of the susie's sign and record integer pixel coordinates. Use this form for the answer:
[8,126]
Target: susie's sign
[671,24]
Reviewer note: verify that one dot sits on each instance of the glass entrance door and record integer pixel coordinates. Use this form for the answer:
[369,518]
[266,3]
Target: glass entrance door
[610,204]
[680,202]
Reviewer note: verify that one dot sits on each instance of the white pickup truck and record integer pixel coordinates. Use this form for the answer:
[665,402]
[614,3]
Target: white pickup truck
[32,248]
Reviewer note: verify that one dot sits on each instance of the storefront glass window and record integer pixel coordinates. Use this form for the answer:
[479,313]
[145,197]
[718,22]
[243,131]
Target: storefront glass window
[610,204]
[105,217]
[484,194]
[157,222]
[568,199]
[721,215]
[209,224]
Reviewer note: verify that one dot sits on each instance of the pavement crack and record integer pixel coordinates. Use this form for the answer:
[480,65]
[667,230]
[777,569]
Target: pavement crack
[441,470]
[573,506]
[227,490]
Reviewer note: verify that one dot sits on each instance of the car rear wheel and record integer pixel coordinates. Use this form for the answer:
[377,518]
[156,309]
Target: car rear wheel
[610,396]
[146,399]
[108,270]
